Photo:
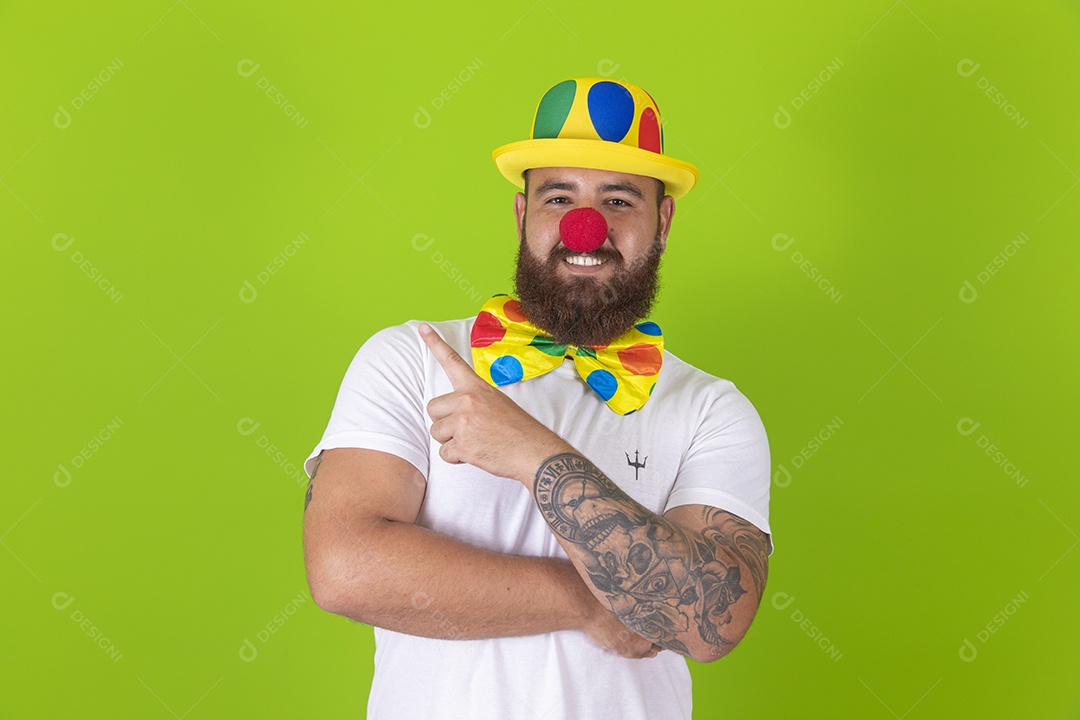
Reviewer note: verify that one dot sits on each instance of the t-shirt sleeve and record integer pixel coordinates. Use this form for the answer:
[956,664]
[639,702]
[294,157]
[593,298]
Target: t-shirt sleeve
[727,463]
[380,404]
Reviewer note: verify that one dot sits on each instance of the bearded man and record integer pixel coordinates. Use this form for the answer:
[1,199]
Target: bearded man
[476,501]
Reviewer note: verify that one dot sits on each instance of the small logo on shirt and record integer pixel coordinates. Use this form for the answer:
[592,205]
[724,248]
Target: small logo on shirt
[635,463]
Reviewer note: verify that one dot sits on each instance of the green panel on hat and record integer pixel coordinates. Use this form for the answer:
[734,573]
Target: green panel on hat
[553,109]
[569,129]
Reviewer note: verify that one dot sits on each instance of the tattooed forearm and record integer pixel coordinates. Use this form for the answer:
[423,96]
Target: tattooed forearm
[665,583]
[311,483]
[743,540]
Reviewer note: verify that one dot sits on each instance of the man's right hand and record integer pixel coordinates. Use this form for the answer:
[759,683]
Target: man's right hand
[608,632]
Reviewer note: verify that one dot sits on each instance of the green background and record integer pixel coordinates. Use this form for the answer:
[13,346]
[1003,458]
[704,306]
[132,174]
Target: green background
[136,227]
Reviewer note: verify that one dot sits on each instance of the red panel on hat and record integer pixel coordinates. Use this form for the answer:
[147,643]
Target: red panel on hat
[649,131]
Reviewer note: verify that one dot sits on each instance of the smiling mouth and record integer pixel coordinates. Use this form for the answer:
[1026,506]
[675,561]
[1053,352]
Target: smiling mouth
[583,260]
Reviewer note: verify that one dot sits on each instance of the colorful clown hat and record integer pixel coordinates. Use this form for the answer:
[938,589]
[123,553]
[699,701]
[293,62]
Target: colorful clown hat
[601,124]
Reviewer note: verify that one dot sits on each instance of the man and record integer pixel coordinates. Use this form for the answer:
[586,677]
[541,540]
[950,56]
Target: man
[541,510]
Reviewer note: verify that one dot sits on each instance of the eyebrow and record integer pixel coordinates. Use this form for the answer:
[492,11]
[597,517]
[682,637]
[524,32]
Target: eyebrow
[624,187]
[549,185]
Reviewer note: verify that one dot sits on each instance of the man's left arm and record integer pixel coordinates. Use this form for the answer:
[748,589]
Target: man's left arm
[690,580]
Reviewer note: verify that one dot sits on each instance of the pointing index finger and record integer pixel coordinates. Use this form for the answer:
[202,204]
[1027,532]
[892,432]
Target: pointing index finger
[457,369]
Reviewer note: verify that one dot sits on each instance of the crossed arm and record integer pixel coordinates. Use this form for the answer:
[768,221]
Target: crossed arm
[677,579]
[367,560]
[689,580]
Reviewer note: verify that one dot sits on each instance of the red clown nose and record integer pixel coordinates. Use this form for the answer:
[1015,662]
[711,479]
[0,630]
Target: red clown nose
[583,230]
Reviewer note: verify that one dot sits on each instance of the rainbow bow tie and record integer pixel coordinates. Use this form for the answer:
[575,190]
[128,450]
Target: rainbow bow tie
[507,348]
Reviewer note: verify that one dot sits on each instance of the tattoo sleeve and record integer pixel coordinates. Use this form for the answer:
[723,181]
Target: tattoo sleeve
[311,483]
[668,584]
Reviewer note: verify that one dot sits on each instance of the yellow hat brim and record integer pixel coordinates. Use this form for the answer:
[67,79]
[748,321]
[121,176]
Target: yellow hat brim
[517,157]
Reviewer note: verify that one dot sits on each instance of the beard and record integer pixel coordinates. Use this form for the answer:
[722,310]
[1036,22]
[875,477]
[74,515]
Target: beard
[582,310]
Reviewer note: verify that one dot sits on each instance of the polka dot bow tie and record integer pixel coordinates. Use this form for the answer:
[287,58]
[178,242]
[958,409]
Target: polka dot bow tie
[507,348]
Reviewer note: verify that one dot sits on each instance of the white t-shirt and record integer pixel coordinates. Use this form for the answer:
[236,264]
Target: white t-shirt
[697,440]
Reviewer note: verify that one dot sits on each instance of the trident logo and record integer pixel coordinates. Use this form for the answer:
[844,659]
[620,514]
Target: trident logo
[635,463]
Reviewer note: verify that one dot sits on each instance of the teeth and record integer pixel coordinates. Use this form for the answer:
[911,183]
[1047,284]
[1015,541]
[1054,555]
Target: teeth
[599,518]
[597,529]
[585,260]
[594,542]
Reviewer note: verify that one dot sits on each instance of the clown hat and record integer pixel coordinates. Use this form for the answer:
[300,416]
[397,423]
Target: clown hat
[601,124]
